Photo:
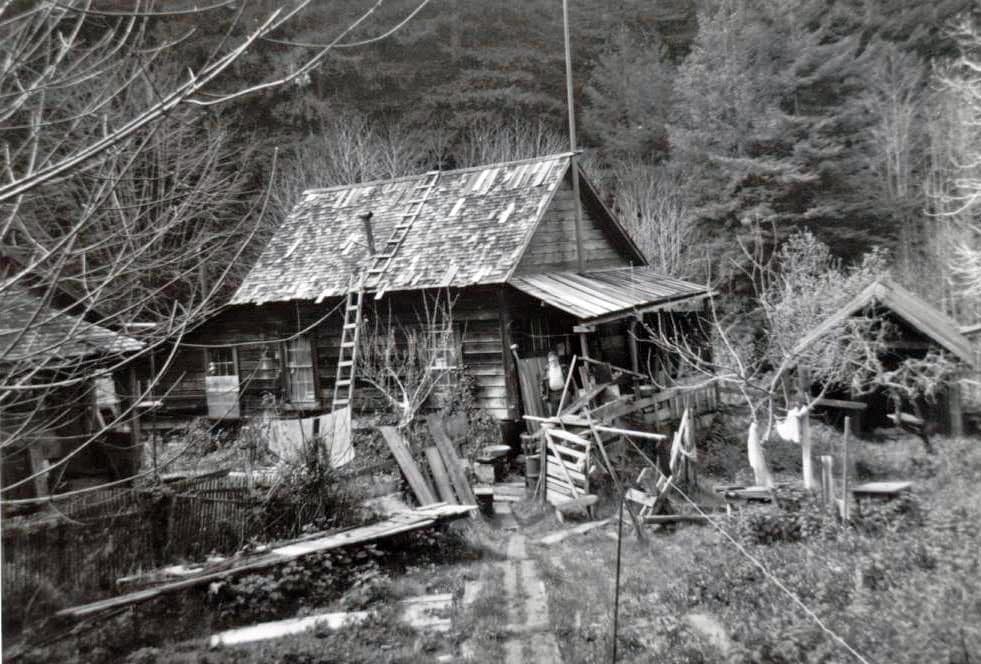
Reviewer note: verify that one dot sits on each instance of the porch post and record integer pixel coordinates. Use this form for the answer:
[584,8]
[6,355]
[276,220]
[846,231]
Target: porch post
[510,369]
[632,345]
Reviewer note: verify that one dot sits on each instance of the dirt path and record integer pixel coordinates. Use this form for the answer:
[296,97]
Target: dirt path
[522,610]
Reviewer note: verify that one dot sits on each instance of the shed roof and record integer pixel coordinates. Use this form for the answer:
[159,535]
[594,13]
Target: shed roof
[914,310]
[605,294]
[32,330]
[473,228]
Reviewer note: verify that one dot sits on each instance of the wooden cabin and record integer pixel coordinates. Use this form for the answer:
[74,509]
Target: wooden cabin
[920,328]
[499,240]
[70,417]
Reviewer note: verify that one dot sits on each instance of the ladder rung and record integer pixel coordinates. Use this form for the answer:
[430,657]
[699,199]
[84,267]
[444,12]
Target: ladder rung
[343,381]
[345,363]
[350,326]
[347,344]
[336,401]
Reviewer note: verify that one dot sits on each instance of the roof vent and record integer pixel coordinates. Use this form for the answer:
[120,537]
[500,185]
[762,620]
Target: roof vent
[369,237]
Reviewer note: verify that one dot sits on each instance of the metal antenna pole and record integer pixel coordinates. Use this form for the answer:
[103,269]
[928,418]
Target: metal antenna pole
[573,165]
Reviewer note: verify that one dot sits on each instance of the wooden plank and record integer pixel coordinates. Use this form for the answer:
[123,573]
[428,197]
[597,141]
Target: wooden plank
[640,498]
[881,488]
[584,399]
[278,556]
[554,471]
[560,449]
[840,403]
[675,518]
[439,476]
[420,487]
[555,538]
[567,436]
[454,467]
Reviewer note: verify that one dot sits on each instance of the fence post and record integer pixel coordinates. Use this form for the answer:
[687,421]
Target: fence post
[827,493]
[804,423]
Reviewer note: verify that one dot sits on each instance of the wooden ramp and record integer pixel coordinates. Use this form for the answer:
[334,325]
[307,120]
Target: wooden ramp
[283,553]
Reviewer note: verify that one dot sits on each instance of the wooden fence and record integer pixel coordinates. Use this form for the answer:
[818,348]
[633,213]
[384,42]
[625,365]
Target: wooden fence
[89,542]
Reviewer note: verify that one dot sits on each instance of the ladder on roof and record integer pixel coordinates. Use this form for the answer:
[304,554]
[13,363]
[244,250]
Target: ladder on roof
[350,333]
[348,355]
[381,260]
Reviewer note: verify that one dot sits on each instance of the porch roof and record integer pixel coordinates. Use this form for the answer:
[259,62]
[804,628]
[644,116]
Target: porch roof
[603,295]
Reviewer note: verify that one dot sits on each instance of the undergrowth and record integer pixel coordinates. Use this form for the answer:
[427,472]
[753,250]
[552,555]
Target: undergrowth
[899,583]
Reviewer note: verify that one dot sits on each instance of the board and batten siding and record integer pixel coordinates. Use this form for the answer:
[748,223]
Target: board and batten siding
[553,244]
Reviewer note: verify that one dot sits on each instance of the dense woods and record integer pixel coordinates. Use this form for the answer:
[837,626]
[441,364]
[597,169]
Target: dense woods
[702,118]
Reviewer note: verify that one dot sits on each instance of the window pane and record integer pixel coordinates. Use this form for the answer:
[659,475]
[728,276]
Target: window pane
[299,364]
[221,362]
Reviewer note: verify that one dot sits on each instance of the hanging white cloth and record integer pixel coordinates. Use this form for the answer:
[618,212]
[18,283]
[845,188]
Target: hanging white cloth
[556,381]
[789,427]
[286,437]
[756,459]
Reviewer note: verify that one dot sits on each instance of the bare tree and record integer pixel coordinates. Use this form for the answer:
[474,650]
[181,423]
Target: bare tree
[490,143]
[350,148]
[406,363]
[651,203]
[893,98]
[956,186]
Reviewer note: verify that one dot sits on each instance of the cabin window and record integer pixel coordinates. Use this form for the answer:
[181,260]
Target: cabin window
[444,347]
[446,357]
[221,383]
[301,386]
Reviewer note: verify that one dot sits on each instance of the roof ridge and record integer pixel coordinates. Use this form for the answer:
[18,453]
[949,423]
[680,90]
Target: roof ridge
[455,171]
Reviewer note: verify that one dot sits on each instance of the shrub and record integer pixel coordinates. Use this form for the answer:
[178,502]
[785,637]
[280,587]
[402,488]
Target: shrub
[308,495]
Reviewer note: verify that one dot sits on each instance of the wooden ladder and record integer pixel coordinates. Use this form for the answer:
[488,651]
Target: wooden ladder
[348,355]
[380,261]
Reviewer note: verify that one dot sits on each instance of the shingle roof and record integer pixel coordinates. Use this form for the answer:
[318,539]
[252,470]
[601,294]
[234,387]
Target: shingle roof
[913,309]
[607,293]
[33,331]
[472,229]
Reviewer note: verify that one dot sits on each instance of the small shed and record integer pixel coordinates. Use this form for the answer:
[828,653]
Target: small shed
[59,375]
[922,328]
[499,240]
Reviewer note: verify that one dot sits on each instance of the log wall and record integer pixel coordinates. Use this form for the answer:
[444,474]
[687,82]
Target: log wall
[476,315]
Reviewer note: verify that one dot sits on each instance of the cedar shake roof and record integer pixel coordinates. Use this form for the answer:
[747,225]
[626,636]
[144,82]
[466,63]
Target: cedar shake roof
[32,331]
[473,228]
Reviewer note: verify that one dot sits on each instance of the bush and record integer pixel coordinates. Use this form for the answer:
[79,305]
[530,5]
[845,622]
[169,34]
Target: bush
[308,496]
[305,583]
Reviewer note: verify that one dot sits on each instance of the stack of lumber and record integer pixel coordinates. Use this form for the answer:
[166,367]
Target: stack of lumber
[446,471]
